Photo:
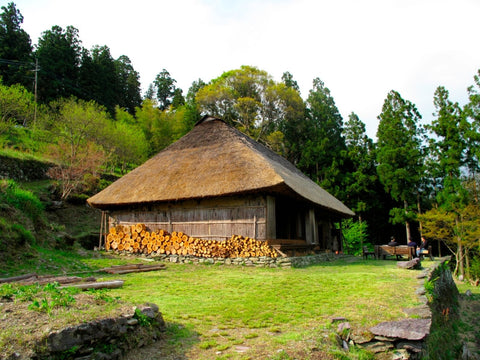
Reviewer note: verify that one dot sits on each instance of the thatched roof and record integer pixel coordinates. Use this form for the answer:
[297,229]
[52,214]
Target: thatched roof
[212,160]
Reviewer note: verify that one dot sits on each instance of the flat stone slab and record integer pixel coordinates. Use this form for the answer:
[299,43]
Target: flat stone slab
[408,329]
[422,311]
[412,264]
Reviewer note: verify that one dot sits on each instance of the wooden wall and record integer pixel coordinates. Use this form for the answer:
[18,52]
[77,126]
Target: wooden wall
[215,219]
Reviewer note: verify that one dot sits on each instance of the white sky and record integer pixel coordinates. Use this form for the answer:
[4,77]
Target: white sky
[360,49]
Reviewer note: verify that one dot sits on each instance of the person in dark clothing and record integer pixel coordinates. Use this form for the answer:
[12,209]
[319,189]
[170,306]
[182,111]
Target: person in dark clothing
[393,242]
[423,246]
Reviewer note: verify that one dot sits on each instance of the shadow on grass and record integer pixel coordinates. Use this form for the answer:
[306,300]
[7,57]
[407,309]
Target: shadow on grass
[174,343]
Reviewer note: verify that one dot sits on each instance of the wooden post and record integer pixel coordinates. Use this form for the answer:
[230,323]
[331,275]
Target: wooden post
[271,226]
[310,226]
[102,222]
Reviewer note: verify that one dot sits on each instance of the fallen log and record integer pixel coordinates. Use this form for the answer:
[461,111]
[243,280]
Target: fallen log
[113,284]
[124,269]
[127,271]
[18,278]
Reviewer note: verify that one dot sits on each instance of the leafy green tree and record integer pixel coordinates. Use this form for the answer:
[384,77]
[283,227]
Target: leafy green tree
[178,99]
[250,100]
[16,107]
[79,128]
[165,89]
[354,236]
[288,80]
[399,156]
[324,149]
[193,90]
[16,63]
[59,53]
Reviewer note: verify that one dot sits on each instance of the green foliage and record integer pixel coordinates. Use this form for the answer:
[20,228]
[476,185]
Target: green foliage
[143,319]
[15,48]
[323,152]
[16,107]
[50,297]
[250,100]
[23,200]
[103,295]
[355,234]
[43,299]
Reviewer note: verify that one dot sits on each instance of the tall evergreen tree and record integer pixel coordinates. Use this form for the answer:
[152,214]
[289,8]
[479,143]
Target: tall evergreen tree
[361,171]
[399,156]
[449,151]
[16,64]
[128,85]
[324,150]
[59,53]
[165,89]
[98,78]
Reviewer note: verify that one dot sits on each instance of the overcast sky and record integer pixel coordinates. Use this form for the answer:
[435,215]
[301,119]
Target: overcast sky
[360,49]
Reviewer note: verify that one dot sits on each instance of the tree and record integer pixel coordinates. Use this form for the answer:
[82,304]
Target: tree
[361,172]
[450,148]
[16,63]
[288,80]
[79,127]
[98,78]
[399,156]
[59,54]
[165,89]
[250,100]
[128,85]
[324,148]
[16,107]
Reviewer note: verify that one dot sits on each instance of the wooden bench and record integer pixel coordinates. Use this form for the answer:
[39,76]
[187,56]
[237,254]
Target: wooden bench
[367,252]
[400,250]
[427,252]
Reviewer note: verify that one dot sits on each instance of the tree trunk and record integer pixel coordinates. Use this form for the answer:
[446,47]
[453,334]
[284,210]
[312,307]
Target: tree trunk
[419,208]
[459,250]
[407,223]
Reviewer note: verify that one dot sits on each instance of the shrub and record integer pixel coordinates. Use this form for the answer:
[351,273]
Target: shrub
[23,200]
[354,236]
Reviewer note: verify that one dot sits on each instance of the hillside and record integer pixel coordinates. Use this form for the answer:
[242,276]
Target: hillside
[34,222]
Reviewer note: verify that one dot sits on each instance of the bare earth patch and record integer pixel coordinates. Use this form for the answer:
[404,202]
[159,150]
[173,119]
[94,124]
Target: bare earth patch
[21,328]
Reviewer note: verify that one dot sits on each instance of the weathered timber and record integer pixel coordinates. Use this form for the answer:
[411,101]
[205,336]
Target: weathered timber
[113,284]
[17,278]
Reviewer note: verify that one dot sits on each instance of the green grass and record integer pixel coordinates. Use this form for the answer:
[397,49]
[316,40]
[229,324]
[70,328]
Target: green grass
[219,307]
[281,313]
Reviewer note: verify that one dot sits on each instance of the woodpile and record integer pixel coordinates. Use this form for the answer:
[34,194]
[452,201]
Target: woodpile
[136,239]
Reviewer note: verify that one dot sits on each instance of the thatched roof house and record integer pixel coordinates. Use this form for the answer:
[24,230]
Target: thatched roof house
[215,182]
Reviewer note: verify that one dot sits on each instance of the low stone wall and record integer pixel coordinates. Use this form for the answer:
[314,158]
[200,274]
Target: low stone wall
[105,339]
[405,339]
[298,261]
[23,170]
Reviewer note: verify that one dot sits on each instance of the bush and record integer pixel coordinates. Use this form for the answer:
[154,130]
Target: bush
[354,236]
[23,200]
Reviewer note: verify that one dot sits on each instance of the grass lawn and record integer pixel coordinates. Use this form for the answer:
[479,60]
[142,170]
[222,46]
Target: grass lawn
[230,312]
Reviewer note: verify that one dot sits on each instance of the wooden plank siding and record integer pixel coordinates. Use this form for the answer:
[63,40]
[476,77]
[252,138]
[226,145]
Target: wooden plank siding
[214,219]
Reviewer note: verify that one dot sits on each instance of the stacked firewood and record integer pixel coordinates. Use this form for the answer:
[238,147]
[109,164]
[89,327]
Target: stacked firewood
[137,239]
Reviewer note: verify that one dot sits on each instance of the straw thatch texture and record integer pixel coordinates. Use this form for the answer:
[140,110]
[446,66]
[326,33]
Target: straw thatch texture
[212,160]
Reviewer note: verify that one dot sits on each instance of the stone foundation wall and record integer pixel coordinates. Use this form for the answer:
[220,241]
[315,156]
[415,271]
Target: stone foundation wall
[23,170]
[105,339]
[406,339]
[297,261]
